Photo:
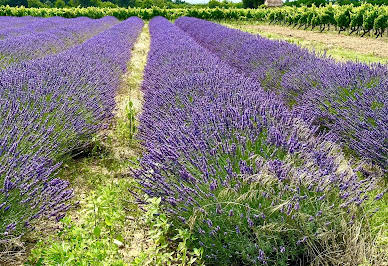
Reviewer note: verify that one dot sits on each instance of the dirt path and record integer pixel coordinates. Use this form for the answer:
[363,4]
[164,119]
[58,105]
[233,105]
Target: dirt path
[122,150]
[131,92]
[339,46]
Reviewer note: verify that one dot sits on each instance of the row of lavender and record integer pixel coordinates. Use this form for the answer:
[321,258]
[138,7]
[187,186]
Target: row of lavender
[55,35]
[48,107]
[254,181]
[16,22]
[350,99]
[20,26]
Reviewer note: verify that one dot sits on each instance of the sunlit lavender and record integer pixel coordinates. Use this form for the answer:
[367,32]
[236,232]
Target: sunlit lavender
[48,36]
[227,157]
[350,99]
[48,107]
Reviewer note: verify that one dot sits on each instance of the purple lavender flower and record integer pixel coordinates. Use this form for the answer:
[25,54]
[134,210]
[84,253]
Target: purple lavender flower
[380,196]
[250,222]
[238,229]
[209,223]
[282,249]
[261,256]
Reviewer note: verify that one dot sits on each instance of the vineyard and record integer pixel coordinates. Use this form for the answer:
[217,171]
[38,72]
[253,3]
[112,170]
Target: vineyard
[361,20]
[187,143]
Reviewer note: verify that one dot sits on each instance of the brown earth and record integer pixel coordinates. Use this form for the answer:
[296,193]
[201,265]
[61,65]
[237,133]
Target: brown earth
[365,46]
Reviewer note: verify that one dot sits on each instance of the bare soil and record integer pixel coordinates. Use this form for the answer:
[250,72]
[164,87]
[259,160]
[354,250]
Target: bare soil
[326,40]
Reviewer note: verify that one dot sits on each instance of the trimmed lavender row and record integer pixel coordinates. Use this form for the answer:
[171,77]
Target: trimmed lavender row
[350,99]
[55,40]
[37,25]
[49,107]
[7,22]
[230,161]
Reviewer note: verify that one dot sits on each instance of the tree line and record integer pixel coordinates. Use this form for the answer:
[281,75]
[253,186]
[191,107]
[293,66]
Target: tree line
[170,4]
[127,3]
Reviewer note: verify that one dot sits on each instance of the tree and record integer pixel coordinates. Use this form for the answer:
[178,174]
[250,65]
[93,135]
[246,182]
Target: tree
[107,4]
[252,3]
[85,3]
[35,3]
[74,3]
[48,3]
[18,3]
[59,4]
[214,4]
[124,3]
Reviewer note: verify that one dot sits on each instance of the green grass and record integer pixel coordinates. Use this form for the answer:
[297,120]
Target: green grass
[93,240]
[93,233]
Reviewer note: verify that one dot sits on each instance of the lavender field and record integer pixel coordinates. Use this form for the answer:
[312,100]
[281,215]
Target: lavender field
[186,143]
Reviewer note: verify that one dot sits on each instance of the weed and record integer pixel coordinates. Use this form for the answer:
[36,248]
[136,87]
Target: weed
[126,126]
[164,250]
[95,240]
[131,117]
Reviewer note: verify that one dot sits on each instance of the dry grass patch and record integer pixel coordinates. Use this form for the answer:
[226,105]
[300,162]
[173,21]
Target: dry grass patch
[339,46]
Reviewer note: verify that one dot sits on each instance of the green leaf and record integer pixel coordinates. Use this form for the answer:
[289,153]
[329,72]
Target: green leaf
[108,221]
[192,260]
[97,231]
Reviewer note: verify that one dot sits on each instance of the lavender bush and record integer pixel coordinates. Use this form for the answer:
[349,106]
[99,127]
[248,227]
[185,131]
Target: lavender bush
[39,44]
[349,99]
[48,107]
[255,182]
